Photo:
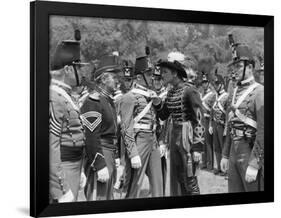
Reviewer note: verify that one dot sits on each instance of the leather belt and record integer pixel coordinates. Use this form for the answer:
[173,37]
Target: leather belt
[144,126]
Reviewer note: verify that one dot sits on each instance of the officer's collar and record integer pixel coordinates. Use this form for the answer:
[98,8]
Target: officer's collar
[61,84]
[247,82]
[105,93]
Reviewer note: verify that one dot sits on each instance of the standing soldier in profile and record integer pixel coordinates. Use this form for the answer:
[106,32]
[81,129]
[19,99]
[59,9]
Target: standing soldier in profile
[161,126]
[66,129]
[208,99]
[127,81]
[138,119]
[218,117]
[244,148]
[100,121]
[183,104]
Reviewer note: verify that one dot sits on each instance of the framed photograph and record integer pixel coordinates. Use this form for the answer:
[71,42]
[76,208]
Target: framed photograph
[142,109]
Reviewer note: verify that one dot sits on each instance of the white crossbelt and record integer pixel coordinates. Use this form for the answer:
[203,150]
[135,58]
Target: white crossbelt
[241,116]
[143,112]
[219,104]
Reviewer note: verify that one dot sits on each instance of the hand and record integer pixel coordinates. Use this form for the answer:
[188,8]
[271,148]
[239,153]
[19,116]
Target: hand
[163,149]
[211,130]
[251,174]
[224,132]
[136,162]
[224,164]
[117,162]
[155,99]
[67,197]
[196,156]
[83,181]
[103,174]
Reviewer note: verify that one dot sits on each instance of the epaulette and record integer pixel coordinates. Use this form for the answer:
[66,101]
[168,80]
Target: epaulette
[95,96]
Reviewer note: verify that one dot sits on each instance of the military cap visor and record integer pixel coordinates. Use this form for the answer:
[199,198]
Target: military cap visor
[174,66]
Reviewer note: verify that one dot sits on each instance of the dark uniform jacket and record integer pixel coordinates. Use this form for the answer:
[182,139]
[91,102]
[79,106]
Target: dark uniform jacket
[184,104]
[100,121]
[252,109]
[66,135]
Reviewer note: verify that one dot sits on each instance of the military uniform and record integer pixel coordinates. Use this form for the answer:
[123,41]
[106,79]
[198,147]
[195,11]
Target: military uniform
[246,129]
[140,139]
[66,141]
[208,100]
[100,121]
[183,104]
[218,123]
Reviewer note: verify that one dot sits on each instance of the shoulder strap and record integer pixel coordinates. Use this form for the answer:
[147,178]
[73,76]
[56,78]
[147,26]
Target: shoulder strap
[206,96]
[65,95]
[141,92]
[244,95]
[143,112]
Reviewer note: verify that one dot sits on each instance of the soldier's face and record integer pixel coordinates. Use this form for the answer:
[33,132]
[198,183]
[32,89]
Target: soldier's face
[157,83]
[128,83]
[168,76]
[238,69]
[205,85]
[111,82]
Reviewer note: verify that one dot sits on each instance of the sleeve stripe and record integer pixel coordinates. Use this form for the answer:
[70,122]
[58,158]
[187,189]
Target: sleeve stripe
[55,132]
[55,128]
[52,123]
[53,118]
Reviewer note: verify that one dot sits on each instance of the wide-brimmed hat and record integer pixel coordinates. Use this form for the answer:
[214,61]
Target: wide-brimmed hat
[174,65]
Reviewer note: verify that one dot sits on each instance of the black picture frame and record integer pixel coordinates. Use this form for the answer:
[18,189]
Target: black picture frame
[39,95]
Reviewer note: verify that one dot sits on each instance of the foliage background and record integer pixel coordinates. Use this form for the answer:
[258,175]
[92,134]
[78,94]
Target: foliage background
[129,37]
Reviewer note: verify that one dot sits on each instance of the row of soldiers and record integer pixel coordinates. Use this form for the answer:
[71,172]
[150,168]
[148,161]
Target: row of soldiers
[137,113]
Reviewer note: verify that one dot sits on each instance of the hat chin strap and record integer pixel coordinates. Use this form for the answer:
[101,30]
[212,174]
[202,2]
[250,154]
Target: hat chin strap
[145,80]
[76,76]
[244,72]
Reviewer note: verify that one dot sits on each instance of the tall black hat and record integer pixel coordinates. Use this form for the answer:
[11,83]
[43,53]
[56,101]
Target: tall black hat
[240,52]
[67,52]
[205,77]
[107,63]
[128,69]
[143,63]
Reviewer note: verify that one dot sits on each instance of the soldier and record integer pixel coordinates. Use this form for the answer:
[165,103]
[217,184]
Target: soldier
[183,104]
[127,78]
[218,116]
[66,129]
[138,126]
[243,150]
[208,99]
[100,121]
[260,72]
[161,126]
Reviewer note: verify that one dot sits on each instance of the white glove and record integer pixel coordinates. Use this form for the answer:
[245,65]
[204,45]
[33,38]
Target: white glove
[103,174]
[136,162]
[196,156]
[224,164]
[163,149]
[211,130]
[83,180]
[251,174]
[67,197]
[117,162]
